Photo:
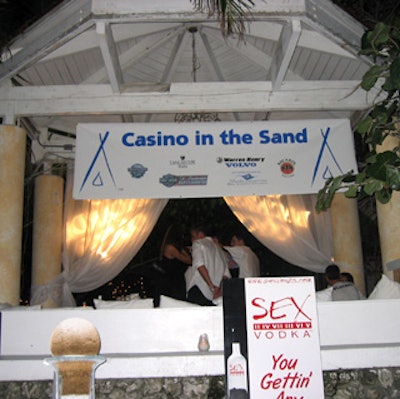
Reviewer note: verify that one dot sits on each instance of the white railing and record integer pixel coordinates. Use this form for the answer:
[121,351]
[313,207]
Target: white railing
[141,343]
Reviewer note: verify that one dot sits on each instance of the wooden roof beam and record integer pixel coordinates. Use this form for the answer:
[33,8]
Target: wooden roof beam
[175,57]
[283,52]
[243,49]
[144,47]
[110,55]
[57,27]
[187,97]
[214,66]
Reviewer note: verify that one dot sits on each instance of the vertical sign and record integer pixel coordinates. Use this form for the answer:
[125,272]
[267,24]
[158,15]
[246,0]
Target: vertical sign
[235,339]
[282,349]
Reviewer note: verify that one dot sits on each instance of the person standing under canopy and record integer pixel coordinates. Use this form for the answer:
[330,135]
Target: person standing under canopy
[174,261]
[209,268]
[341,290]
[249,264]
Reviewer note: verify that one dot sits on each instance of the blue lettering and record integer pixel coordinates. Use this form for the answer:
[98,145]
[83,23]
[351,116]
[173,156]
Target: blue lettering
[125,138]
[241,164]
[284,137]
[182,139]
[288,137]
[247,138]
[264,137]
[151,141]
[230,137]
[301,137]
[140,141]
[276,138]
[159,138]
[130,140]
[170,139]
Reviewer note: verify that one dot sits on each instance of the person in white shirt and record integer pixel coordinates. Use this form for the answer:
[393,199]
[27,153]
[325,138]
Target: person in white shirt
[342,290]
[249,264]
[209,267]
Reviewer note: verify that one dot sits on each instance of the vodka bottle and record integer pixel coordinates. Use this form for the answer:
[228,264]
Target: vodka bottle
[237,374]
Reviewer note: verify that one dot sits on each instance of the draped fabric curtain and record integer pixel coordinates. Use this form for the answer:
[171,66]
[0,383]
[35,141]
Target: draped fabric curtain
[101,237]
[289,226]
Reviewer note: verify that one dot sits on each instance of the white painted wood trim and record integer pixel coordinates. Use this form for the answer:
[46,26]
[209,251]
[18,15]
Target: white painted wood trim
[163,342]
[186,97]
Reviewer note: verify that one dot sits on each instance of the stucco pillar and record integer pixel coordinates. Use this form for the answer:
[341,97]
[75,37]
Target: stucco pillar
[12,171]
[389,225]
[347,247]
[47,231]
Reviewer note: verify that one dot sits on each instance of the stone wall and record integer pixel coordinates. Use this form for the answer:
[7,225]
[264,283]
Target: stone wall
[341,384]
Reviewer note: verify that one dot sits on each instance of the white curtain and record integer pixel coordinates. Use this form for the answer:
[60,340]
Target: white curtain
[289,226]
[101,237]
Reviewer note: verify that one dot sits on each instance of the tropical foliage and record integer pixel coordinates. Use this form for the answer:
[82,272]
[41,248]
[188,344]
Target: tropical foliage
[231,14]
[379,172]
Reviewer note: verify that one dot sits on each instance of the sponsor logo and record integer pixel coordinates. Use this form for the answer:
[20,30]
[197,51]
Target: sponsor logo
[287,167]
[170,180]
[326,149]
[282,318]
[248,176]
[245,162]
[238,178]
[236,369]
[182,162]
[96,174]
[137,170]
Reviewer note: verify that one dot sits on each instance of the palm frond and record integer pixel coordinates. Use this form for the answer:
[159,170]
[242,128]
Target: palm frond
[232,14]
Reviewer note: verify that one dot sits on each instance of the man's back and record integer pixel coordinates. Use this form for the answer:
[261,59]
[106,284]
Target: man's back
[249,265]
[205,252]
[345,291]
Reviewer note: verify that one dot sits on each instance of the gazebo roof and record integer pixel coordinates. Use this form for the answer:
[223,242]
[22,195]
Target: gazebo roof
[146,61]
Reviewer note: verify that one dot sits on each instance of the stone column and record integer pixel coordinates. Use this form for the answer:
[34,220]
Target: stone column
[347,247]
[12,171]
[47,231]
[389,225]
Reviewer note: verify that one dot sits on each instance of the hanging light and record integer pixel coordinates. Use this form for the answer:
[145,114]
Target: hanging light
[196,116]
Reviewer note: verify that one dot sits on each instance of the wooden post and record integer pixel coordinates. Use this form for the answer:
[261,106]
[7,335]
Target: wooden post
[347,248]
[389,224]
[12,171]
[47,232]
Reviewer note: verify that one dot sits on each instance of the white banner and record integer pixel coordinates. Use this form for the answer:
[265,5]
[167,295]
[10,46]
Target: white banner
[283,339]
[195,160]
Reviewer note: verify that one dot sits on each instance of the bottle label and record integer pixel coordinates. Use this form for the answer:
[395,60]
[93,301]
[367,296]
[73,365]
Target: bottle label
[236,370]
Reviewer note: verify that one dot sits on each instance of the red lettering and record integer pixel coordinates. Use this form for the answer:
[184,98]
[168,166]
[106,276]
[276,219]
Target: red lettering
[300,308]
[268,383]
[275,307]
[255,303]
[279,309]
